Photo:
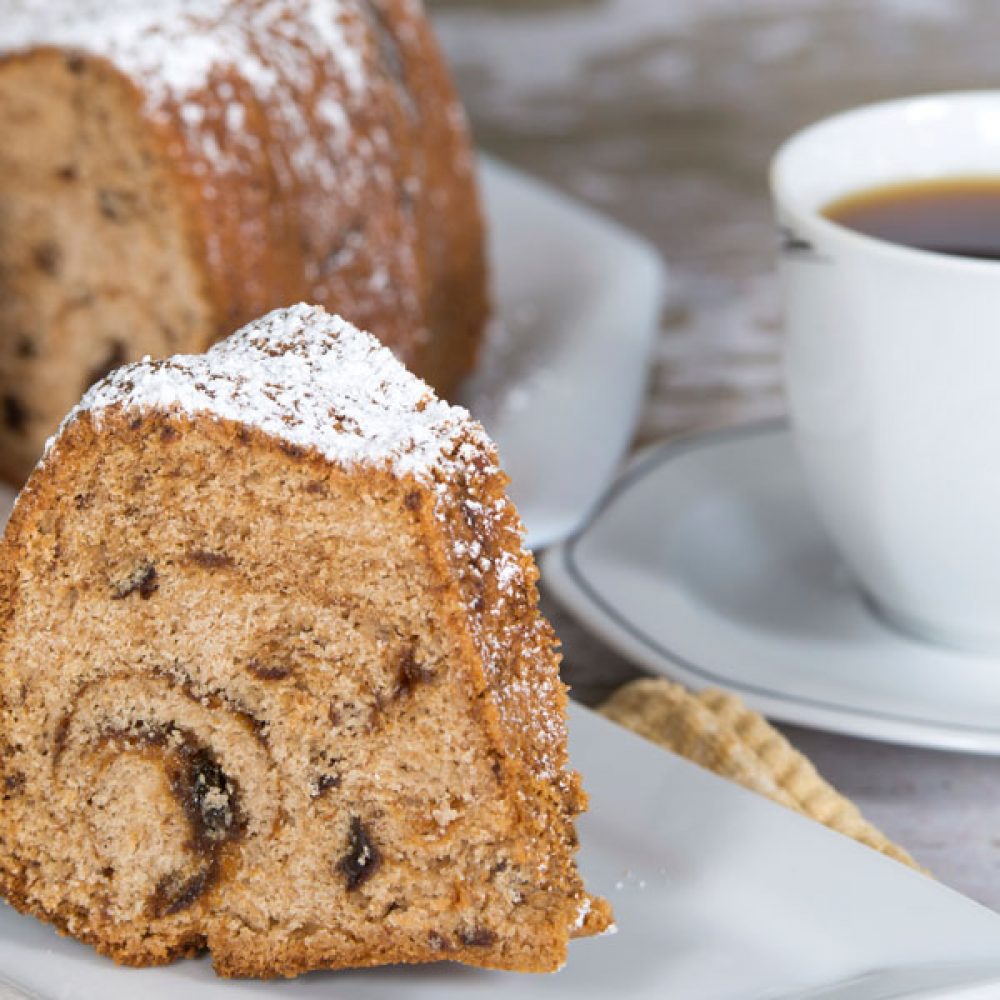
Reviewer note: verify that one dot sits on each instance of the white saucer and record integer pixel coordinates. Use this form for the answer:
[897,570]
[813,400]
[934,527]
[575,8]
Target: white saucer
[706,563]
[726,898]
[578,302]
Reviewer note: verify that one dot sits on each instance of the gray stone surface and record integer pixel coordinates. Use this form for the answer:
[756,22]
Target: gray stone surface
[664,114]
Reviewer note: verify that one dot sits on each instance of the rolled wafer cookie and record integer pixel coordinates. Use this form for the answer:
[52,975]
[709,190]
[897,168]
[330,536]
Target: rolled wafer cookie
[716,730]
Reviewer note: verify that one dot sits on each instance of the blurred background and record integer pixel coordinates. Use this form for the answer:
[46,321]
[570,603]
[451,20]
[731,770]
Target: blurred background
[663,114]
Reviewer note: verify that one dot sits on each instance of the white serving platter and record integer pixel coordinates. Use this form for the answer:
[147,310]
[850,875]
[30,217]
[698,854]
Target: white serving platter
[706,563]
[561,382]
[718,894]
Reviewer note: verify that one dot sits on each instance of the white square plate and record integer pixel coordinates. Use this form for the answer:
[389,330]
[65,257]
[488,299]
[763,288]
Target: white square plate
[561,382]
[718,893]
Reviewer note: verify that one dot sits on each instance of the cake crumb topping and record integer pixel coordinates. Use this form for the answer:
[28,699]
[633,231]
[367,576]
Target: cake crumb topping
[306,378]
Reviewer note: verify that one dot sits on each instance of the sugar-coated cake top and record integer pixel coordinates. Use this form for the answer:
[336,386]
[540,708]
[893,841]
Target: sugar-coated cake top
[177,51]
[176,45]
[307,378]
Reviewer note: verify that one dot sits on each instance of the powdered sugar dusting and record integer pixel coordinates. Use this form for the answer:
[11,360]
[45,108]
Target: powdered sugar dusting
[306,378]
[177,50]
[508,570]
[175,46]
[498,578]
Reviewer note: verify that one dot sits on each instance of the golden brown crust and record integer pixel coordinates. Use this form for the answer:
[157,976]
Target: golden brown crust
[519,670]
[414,215]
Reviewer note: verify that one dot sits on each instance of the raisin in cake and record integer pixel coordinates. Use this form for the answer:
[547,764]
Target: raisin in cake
[172,170]
[273,679]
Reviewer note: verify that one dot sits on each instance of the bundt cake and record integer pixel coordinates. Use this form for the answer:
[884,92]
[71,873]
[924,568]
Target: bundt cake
[172,170]
[273,680]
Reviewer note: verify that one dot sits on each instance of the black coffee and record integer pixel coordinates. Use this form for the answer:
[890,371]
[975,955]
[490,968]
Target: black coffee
[957,215]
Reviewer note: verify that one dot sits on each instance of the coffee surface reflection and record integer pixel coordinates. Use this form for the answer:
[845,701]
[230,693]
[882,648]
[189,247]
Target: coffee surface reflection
[958,216]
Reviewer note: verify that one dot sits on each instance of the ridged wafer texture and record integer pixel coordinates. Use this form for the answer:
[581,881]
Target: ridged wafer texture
[715,729]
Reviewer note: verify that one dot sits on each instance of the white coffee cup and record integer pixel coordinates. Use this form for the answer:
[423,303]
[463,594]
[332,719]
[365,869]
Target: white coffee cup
[892,366]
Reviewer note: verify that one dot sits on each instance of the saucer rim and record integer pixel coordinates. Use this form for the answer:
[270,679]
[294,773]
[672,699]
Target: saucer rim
[568,581]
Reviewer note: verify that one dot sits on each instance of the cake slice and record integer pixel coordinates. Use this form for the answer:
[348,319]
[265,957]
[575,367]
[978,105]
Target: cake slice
[273,680]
